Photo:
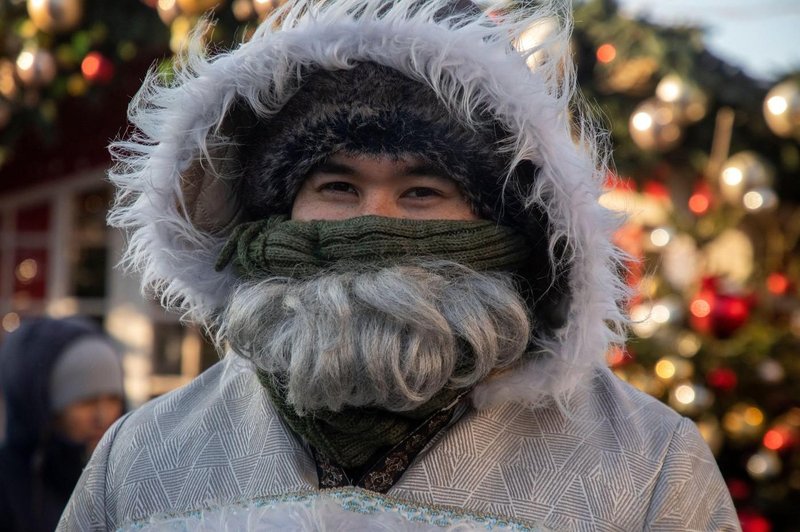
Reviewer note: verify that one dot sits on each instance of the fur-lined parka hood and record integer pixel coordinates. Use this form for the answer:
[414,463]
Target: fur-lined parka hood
[178,204]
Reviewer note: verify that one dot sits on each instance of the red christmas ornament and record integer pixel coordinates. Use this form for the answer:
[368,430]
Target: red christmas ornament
[740,489]
[606,53]
[716,313]
[753,522]
[777,438]
[701,199]
[722,379]
[729,314]
[657,190]
[97,68]
[778,284]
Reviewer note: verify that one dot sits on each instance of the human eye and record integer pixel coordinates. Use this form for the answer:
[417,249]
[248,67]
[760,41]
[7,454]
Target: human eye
[337,187]
[422,193]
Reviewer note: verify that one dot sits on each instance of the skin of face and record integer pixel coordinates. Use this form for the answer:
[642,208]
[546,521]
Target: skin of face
[84,422]
[347,186]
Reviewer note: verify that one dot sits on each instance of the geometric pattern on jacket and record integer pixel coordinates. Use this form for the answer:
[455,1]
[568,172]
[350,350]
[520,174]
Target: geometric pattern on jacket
[617,460]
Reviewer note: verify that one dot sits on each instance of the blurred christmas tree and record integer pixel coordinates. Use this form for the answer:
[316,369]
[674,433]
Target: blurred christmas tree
[62,60]
[708,167]
[57,51]
[707,164]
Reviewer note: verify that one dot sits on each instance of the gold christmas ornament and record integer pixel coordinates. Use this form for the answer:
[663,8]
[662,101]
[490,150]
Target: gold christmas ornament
[633,77]
[54,16]
[761,199]
[35,67]
[534,42]
[743,172]
[764,464]
[688,344]
[648,286]
[8,81]
[180,29]
[730,256]
[680,262]
[653,126]
[642,324]
[668,309]
[243,10]
[659,238]
[168,11]
[198,7]
[642,209]
[671,369]
[265,7]
[782,109]
[743,422]
[27,29]
[690,104]
[689,398]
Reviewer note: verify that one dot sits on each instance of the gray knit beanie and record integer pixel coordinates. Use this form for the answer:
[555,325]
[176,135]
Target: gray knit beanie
[88,367]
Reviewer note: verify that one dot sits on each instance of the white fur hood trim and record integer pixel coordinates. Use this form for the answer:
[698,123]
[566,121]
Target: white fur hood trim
[470,64]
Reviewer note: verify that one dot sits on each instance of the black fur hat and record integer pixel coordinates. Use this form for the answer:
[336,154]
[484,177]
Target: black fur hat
[369,109]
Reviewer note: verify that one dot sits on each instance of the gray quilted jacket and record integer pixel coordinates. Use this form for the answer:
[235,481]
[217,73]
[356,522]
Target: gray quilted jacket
[214,455]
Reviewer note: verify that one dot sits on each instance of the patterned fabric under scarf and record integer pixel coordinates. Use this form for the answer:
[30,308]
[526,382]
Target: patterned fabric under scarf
[383,474]
[366,446]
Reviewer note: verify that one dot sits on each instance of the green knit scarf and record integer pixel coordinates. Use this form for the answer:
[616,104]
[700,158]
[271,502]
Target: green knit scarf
[277,246]
[288,248]
[354,437]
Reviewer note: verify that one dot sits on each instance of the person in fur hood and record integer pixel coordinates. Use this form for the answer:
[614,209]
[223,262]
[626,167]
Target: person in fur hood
[387,213]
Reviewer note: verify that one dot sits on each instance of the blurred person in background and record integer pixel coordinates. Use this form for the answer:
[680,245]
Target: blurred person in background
[62,382]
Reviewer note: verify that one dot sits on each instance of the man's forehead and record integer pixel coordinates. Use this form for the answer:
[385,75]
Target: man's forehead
[407,163]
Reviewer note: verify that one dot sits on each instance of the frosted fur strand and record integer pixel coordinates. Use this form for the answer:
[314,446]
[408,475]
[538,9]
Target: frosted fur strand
[470,64]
